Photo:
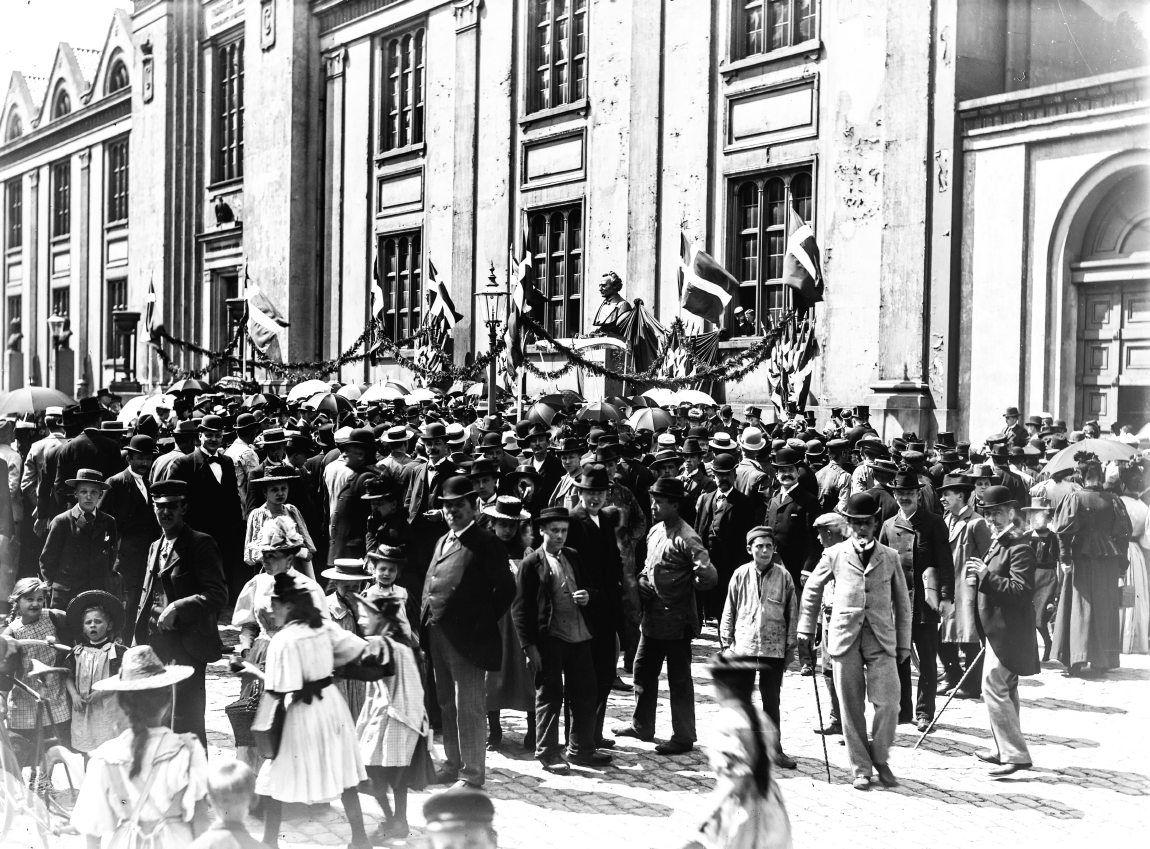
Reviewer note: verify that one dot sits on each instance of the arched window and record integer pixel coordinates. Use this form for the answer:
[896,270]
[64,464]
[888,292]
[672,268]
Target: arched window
[15,126]
[118,76]
[61,103]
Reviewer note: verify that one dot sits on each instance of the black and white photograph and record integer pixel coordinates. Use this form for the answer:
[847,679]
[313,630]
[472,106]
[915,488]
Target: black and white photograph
[552,424]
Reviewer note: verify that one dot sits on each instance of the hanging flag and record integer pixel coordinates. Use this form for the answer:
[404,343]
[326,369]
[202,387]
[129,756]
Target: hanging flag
[676,364]
[264,321]
[802,266]
[155,329]
[441,304]
[705,287]
[525,300]
[791,363]
[376,289]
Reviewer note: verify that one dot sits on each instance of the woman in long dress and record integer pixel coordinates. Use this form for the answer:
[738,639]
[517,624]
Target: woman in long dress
[1136,619]
[318,759]
[148,786]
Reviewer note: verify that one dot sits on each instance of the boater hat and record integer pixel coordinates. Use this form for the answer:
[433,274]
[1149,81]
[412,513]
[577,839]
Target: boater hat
[346,569]
[508,508]
[90,476]
[142,669]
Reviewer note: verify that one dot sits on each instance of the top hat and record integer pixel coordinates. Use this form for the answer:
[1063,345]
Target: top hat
[346,569]
[457,487]
[594,477]
[669,488]
[508,508]
[945,439]
[90,476]
[861,505]
[142,669]
[1038,502]
[553,514]
[998,496]
[95,598]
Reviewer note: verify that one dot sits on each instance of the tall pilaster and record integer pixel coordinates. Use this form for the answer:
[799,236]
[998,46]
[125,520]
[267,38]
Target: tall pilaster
[81,240]
[646,153]
[329,303]
[468,274]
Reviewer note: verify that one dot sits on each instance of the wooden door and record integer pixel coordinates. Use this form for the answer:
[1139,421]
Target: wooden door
[1099,329]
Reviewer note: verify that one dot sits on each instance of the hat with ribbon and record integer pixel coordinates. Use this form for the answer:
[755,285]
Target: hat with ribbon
[507,508]
[669,488]
[722,441]
[346,569]
[87,476]
[142,669]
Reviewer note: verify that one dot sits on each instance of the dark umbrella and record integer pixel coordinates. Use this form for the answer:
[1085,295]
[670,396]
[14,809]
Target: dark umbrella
[188,384]
[333,405]
[264,399]
[641,401]
[33,399]
[542,413]
[617,401]
[651,418]
[1106,449]
[599,411]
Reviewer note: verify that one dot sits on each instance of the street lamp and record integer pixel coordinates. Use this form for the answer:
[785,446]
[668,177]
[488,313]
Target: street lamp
[56,324]
[492,294]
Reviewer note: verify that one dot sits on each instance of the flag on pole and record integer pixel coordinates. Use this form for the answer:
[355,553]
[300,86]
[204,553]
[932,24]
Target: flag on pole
[441,304]
[264,321]
[376,289]
[525,300]
[154,327]
[791,363]
[705,287]
[802,266]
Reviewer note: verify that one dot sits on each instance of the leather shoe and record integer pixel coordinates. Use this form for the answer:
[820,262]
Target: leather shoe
[807,670]
[463,782]
[555,765]
[944,688]
[831,729]
[594,759]
[988,756]
[922,723]
[885,776]
[784,760]
[605,743]
[967,694]
[445,776]
[861,782]
[1008,769]
[621,685]
[673,747]
[629,731]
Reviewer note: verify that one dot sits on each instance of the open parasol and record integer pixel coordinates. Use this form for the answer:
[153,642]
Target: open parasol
[694,396]
[33,399]
[599,411]
[1108,450]
[188,384]
[662,397]
[381,392]
[650,418]
[307,389]
[542,413]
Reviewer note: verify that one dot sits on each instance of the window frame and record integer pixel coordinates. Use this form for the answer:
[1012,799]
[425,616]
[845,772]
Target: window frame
[227,125]
[570,295]
[763,284]
[117,198]
[60,218]
[13,126]
[399,322]
[61,102]
[61,295]
[14,299]
[118,64]
[738,49]
[417,92]
[113,286]
[535,102]
[13,213]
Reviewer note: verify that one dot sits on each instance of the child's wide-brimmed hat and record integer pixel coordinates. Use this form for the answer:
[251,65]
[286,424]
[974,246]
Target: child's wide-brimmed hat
[142,669]
[89,476]
[346,569]
[95,598]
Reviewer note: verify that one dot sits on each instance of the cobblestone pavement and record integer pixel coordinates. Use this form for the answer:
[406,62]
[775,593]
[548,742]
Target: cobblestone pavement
[1091,781]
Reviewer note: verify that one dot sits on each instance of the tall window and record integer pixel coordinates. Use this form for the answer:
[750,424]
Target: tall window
[115,299]
[61,103]
[401,261]
[761,26]
[555,238]
[402,116]
[118,180]
[14,128]
[557,53]
[764,208]
[118,77]
[61,177]
[14,213]
[228,162]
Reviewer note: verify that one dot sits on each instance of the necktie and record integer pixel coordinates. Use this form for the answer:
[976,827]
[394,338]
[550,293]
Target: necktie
[451,543]
[216,467]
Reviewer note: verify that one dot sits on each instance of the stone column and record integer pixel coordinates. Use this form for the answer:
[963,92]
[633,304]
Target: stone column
[83,367]
[646,155]
[330,301]
[31,275]
[466,272]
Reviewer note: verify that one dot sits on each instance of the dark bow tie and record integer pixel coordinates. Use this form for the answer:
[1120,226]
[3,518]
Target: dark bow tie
[214,460]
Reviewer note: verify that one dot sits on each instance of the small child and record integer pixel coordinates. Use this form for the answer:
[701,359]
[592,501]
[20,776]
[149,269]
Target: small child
[230,788]
[386,524]
[276,483]
[393,729]
[760,621]
[31,620]
[1045,545]
[96,616]
[80,550]
[385,564]
[346,578]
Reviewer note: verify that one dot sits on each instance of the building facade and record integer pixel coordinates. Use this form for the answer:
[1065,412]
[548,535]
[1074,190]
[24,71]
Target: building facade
[974,170]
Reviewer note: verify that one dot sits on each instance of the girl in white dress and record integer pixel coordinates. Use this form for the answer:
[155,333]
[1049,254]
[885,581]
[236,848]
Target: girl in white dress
[318,758]
[276,483]
[147,786]
[97,617]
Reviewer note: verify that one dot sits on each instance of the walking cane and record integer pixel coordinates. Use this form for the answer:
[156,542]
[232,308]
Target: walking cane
[949,698]
[819,708]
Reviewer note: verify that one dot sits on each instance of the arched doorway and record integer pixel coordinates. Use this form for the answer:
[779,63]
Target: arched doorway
[1112,279]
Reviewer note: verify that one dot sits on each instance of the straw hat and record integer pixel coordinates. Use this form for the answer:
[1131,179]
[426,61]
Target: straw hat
[280,534]
[95,598]
[142,669]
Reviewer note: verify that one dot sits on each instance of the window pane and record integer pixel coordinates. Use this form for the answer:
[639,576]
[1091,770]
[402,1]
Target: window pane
[801,195]
[555,236]
[14,200]
[752,29]
[805,23]
[779,23]
[557,51]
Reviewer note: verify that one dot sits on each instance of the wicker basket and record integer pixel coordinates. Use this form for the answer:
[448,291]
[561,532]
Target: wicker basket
[240,713]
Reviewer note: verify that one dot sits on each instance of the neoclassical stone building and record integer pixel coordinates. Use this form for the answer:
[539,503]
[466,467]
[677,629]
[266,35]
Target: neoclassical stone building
[975,172]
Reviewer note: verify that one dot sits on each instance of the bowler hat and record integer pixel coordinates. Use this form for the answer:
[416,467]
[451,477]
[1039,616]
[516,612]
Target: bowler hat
[816,448]
[246,421]
[536,429]
[956,482]
[998,496]
[524,470]
[360,437]
[88,476]
[751,439]
[569,445]
[861,505]
[724,463]
[691,447]
[142,445]
[484,468]
[594,477]
[553,514]
[785,457]
[669,488]
[433,430]
[212,423]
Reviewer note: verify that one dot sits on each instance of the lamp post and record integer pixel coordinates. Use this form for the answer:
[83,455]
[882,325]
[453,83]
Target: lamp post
[492,294]
[56,324]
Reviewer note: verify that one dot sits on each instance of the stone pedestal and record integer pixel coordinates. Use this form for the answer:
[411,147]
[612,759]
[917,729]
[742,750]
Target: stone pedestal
[64,370]
[591,386]
[899,407]
[15,370]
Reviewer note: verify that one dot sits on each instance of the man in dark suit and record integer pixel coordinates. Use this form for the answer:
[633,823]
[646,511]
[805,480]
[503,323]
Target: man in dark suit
[923,545]
[723,517]
[537,438]
[421,483]
[127,502]
[791,514]
[468,587]
[214,499]
[551,617]
[92,449]
[183,594]
[1005,580]
[592,532]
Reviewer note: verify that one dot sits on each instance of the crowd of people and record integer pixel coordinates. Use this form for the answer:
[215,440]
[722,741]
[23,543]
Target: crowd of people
[399,573]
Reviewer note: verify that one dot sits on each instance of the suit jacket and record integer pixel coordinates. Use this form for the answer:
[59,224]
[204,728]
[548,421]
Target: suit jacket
[752,480]
[875,595]
[923,548]
[193,581]
[349,518]
[834,486]
[792,516]
[532,609]
[81,556]
[723,526]
[1005,612]
[90,450]
[136,522]
[551,471]
[213,506]
[602,566]
[466,590]
[420,495]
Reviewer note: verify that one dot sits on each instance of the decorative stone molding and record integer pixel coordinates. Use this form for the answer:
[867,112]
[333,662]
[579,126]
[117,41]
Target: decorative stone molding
[334,62]
[85,157]
[466,14]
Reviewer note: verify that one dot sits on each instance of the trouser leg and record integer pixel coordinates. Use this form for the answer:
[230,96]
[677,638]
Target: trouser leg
[445,698]
[579,684]
[682,688]
[604,659]
[1000,695]
[835,714]
[548,697]
[649,656]
[925,637]
[851,687]
[882,687]
[770,689]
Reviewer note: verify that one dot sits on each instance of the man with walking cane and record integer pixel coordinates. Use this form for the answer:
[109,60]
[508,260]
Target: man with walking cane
[869,633]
